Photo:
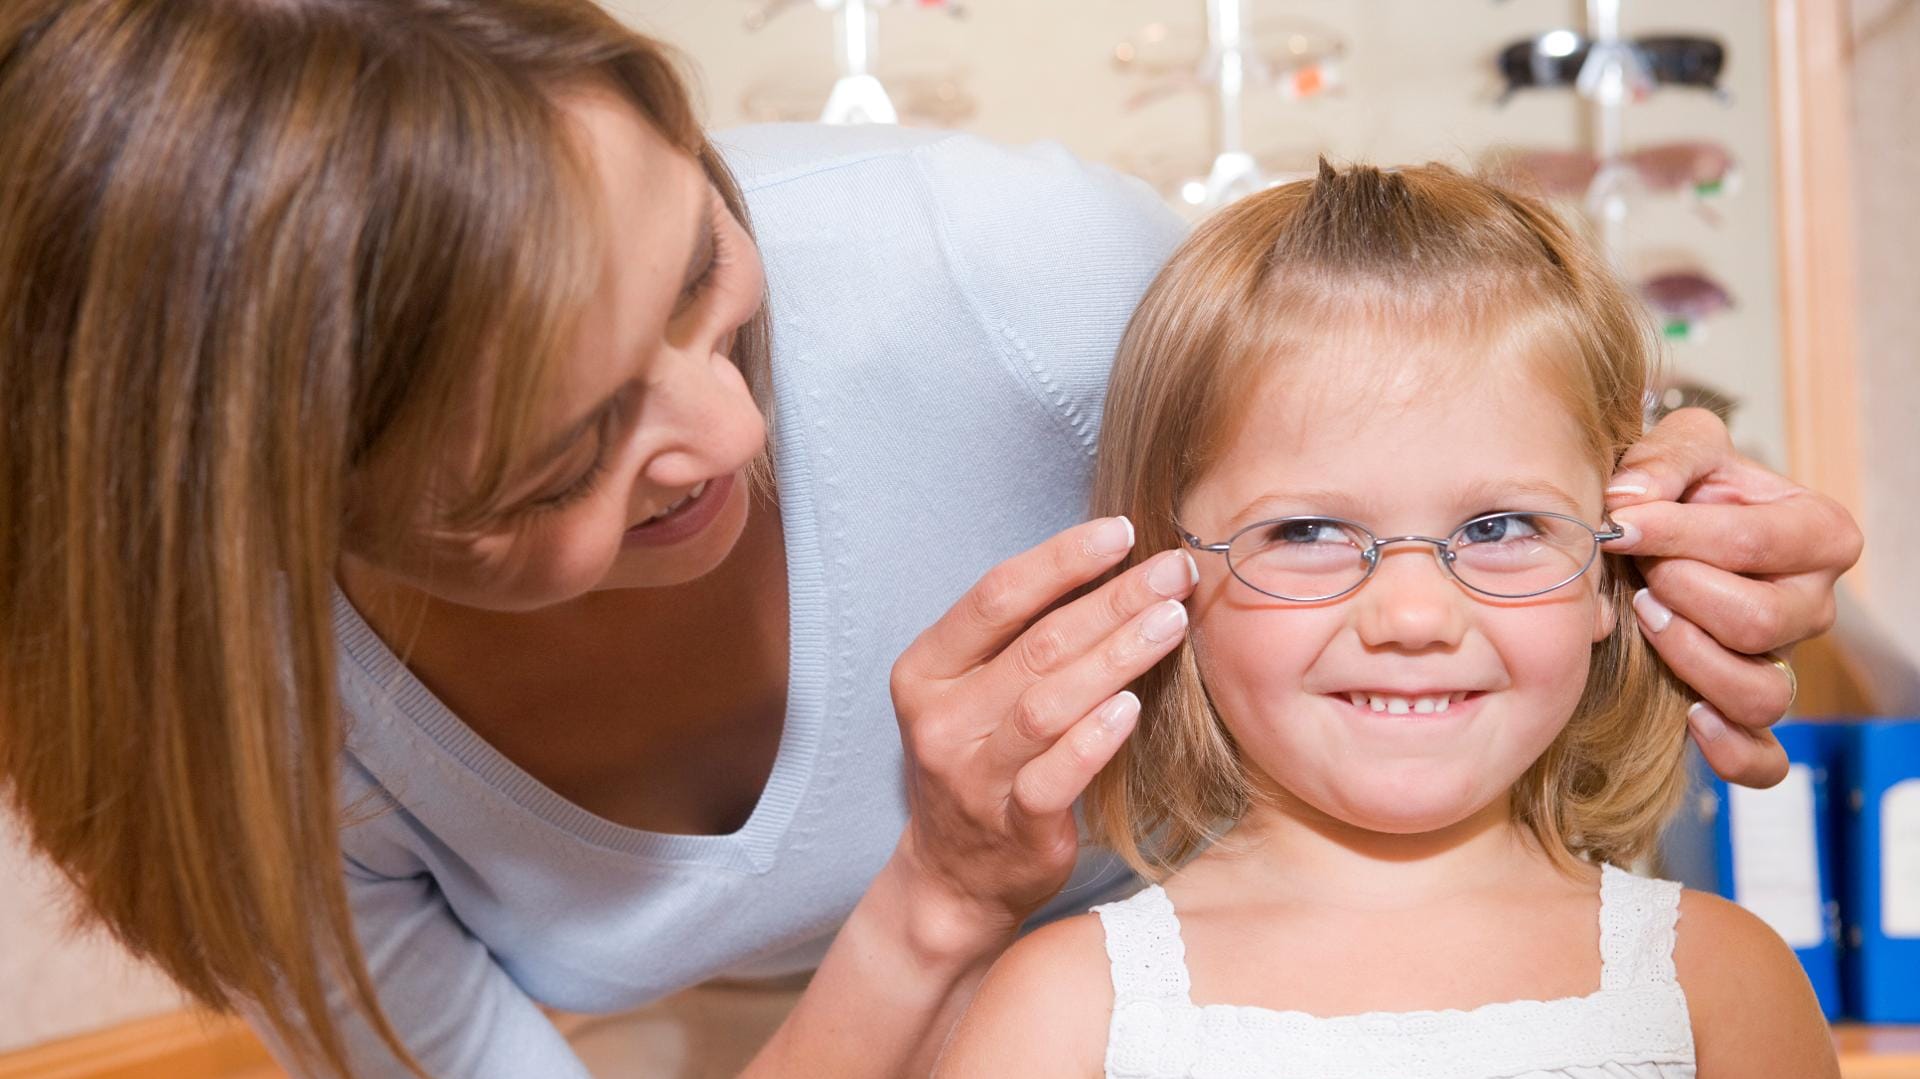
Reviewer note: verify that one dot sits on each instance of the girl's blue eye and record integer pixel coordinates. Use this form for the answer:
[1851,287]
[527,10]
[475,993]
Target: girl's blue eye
[1504,528]
[1306,531]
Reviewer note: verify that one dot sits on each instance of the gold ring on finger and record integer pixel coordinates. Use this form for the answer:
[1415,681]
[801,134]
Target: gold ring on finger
[1793,680]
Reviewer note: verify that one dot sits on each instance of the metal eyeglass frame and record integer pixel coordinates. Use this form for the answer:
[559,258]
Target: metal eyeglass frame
[1442,551]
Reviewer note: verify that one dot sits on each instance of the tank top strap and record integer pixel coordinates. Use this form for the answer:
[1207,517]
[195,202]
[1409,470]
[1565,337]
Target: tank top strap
[1637,920]
[1144,949]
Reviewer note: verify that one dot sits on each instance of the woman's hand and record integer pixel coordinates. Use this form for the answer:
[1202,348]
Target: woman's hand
[1739,562]
[1007,710]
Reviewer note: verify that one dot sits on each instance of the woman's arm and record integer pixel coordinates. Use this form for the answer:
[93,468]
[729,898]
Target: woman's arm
[457,1011]
[1754,1014]
[1005,720]
[1739,562]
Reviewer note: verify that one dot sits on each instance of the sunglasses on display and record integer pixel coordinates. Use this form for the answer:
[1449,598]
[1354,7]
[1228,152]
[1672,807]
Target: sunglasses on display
[1704,168]
[1683,300]
[1557,57]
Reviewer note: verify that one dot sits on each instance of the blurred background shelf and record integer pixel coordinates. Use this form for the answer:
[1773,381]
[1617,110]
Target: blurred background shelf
[1878,1052]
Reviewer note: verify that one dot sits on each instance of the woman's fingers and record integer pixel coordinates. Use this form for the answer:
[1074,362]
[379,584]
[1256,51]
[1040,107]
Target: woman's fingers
[1685,447]
[1746,689]
[1012,594]
[1802,532]
[1050,783]
[1046,707]
[1068,633]
[1751,758]
[1745,614]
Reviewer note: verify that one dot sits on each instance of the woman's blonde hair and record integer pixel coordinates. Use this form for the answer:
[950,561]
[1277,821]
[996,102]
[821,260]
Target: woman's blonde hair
[1255,291]
[247,246]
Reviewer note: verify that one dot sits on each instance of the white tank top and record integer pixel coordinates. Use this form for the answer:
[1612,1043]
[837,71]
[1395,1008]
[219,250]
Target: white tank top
[1635,1026]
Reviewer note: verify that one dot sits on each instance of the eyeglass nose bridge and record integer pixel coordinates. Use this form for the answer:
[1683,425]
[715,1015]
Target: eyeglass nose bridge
[1442,551]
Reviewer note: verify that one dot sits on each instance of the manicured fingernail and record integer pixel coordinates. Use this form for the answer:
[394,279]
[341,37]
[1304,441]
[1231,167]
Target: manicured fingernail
[1708,725]
[1120,712]
[1628,483]
[1114,535]
[1629,534]
[1171,573]
[1653,614]
[1193,568]
[1164,622]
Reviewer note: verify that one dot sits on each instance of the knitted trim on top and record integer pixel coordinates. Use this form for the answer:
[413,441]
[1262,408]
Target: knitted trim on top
[1638,1016]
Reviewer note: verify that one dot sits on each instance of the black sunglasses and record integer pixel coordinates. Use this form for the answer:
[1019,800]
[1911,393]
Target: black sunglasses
[1556,57]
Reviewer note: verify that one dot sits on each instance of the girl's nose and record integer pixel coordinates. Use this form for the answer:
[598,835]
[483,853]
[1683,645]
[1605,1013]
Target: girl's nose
[1411,602]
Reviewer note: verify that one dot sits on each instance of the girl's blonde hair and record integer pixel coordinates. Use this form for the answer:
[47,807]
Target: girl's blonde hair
[1419,251]
[247,247]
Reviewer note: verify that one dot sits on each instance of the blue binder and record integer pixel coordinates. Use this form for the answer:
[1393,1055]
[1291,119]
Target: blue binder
[1883,878]
[1776,851]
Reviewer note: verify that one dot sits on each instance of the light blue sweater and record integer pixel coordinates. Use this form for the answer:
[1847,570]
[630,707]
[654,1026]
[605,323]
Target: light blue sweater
[944,311]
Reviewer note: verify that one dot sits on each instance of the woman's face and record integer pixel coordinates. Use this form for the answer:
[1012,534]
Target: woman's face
[636,478]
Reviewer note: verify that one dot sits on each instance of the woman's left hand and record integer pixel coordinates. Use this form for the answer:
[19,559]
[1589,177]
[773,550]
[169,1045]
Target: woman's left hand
[1740,564]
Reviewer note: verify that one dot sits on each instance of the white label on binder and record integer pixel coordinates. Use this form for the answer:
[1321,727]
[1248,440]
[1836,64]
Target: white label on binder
[1776,868]
[1900,859]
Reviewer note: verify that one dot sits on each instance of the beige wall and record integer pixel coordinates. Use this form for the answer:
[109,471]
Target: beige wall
[1886,148]
[54,982]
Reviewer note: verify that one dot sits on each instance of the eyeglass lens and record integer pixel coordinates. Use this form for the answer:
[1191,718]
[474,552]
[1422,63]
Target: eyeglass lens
[1510,555]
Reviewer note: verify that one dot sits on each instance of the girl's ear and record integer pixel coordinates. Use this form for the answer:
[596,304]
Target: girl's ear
[1606,613]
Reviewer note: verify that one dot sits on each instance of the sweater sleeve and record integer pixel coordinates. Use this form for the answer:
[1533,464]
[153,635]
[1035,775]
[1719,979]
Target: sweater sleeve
[455,1008]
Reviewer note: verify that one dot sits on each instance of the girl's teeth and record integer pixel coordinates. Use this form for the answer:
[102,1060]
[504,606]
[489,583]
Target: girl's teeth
[1400,706]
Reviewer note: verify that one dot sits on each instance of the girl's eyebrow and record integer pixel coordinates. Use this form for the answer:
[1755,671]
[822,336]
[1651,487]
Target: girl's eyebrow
[1490,492]
[1476,496]
[1321,499]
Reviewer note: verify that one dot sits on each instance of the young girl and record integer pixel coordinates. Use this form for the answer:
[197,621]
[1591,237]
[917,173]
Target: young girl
[1379,408]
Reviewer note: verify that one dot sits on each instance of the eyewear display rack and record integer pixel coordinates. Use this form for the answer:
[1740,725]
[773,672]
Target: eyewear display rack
[1238,59]
[858,96]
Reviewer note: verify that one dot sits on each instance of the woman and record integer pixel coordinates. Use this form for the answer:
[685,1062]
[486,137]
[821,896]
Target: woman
[453,306]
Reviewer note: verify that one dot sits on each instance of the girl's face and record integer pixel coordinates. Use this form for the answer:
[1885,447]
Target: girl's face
[637,481]
[1420,457]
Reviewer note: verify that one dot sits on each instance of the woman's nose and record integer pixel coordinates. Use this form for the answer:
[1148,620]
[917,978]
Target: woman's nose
[1411,601]
[709,422]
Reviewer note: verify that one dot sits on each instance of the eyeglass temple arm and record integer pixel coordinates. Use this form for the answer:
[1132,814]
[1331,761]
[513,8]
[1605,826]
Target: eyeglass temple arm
[1613,532]
[1198,544]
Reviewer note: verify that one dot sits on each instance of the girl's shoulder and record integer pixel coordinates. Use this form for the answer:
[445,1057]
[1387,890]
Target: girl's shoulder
[1752,1010]
[1042,1009]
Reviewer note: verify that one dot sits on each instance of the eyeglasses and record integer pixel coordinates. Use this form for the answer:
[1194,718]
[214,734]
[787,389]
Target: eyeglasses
[1556,58]
[1509,555]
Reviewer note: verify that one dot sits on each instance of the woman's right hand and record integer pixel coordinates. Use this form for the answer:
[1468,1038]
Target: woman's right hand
[1008,709]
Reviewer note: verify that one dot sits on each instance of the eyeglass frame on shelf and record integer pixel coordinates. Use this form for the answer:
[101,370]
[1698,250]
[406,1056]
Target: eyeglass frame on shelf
[1370,555]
